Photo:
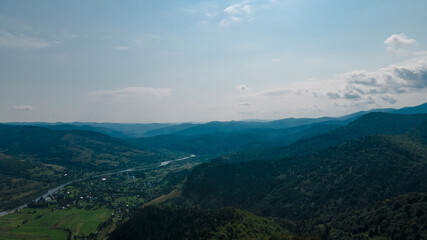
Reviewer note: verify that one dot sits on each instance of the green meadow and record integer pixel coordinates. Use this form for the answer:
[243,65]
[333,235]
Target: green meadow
[46,223]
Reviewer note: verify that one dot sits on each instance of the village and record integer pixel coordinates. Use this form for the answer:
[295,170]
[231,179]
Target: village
[120,195]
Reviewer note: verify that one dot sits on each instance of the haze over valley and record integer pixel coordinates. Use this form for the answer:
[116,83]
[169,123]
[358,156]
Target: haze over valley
[251,119]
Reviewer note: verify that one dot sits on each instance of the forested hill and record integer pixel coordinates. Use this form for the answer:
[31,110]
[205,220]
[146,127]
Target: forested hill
[355,174]
[402,217]
[164,223]
[369,124]
[69,148]
[217,144]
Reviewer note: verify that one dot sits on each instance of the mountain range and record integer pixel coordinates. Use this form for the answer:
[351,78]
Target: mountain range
[354,177]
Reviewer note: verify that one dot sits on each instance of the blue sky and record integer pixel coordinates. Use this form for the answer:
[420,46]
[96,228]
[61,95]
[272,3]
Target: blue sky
[175,61]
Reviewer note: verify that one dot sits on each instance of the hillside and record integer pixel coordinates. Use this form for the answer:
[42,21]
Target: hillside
[230,127]
[355,174]
[216,144]
[159,223]
[368,124]
[118,130]
[402,217]
[70,148]
[34,158]
[215,127]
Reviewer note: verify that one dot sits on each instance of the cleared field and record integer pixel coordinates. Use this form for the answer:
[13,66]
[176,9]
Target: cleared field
[47,224]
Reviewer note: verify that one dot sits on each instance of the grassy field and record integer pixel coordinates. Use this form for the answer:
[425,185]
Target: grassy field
[47,224]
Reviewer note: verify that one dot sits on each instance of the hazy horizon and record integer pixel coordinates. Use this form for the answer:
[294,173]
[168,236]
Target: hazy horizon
[193,122]
[200,61]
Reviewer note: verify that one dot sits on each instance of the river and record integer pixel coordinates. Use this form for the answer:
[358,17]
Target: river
[52,190]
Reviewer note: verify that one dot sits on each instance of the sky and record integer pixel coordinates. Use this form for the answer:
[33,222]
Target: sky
[179,61]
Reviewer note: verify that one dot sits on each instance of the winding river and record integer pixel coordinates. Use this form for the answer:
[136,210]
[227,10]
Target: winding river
[52,190]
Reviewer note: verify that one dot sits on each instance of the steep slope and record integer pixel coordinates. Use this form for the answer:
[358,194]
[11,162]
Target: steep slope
[355,174]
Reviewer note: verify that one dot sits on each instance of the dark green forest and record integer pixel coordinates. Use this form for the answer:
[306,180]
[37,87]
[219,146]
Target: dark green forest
[402,217]
[354,174]
[160,223]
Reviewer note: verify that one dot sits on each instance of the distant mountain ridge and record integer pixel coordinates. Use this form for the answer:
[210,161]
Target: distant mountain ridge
[369,124]
[136,130]
[119,130]
[219,143]
[235,126]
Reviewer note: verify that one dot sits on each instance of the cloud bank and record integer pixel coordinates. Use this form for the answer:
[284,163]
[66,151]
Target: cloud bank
[389,80]
[22,108]
[392,86]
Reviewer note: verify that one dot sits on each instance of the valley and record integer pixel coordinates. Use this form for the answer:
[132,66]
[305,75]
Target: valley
[93,206]
[213,120]
[361,177]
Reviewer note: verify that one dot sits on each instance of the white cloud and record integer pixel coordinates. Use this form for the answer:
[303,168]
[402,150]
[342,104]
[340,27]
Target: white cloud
[384,86]
[392,86]
[22,108]
[395,79]
[399,40]
[244,11]
[134,93]
[239,8]
[236,12]
[9,40]
[398,43]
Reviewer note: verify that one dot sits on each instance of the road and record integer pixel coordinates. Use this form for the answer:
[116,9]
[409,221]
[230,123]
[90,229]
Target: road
[52,190]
